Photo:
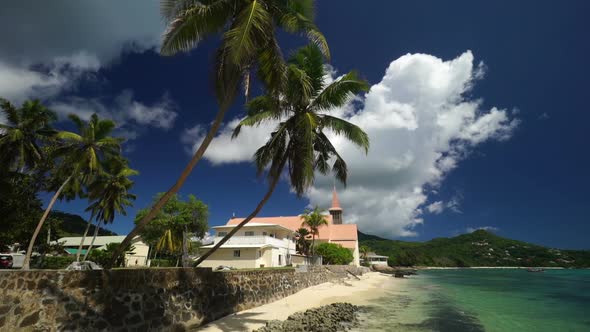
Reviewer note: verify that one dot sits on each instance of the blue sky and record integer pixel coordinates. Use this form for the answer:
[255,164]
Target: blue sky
[480,107]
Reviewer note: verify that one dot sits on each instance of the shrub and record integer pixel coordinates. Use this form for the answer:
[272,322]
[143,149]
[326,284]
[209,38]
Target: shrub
[56,262]
[162,262]
[334,254]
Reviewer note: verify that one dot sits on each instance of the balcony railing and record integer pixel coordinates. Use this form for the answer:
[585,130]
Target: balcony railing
[258,240]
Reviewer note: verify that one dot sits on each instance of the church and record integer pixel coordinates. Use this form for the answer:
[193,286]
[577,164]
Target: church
[270,241]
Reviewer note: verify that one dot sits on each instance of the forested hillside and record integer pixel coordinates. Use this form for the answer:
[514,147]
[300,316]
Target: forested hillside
[480,248]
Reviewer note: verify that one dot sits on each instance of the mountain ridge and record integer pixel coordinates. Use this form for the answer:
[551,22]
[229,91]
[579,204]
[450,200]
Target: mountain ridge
[479,248]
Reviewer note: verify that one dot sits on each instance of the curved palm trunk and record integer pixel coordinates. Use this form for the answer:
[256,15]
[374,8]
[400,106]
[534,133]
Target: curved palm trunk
[176,187]
[84,238]
[254,213]
[93,239]
[27,262]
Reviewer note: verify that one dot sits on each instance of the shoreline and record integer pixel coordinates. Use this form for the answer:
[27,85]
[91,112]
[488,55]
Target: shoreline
[485,267]
[357,292]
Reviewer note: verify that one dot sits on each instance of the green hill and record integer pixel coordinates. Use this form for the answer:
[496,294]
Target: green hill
[74,225]
[480,248]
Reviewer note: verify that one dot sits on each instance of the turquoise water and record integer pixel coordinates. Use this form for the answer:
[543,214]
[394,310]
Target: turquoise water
[485,300]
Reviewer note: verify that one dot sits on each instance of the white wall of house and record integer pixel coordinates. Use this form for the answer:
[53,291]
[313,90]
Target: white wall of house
[226,257]
[140,255]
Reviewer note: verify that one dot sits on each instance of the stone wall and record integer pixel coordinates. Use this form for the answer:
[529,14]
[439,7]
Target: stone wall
[141,299]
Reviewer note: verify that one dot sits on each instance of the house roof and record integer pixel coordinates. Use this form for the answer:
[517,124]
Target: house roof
[329,232]
[238,246]
[74,241]
[251,224]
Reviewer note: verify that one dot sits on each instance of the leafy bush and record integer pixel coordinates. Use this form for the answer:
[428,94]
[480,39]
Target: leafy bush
[56,262]
[100,257]
[162,262]
[334,254]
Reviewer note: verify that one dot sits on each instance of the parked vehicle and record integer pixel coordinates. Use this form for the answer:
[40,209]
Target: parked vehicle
[5,261]
[16,260]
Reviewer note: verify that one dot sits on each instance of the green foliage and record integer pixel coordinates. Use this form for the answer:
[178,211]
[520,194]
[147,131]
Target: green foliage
[334,254]
[55,262]
[22,135]
[163,262]
[176,215]
[479,248]
[313,219]
[300,139]
[102,257]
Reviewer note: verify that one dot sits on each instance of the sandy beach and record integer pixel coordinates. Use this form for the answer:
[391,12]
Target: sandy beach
[354,291]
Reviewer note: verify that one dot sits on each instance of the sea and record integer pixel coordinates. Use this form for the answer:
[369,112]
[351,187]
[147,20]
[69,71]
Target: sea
[484,300]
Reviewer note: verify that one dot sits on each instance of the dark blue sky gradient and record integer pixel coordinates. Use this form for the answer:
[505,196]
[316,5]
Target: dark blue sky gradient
[532,187]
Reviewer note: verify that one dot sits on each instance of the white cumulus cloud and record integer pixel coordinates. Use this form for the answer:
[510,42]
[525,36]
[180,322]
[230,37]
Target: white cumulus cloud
[130,115]
[421,122]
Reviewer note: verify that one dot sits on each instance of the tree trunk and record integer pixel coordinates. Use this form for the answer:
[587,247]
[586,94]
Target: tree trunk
[254,213]
[84,237]
[27,262]
[184,249]
[93,239]
[176,187]
[313,245]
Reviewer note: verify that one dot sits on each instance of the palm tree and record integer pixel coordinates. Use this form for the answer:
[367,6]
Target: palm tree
[313,219]
[299,139]
[81,155]
[110,194]
[21,136]
[248,41]
[173,242]
[364,250]
[302,241]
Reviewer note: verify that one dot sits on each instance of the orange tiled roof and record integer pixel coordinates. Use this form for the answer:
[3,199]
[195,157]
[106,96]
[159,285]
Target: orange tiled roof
[328,233]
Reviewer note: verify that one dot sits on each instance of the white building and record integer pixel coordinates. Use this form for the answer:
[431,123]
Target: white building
[254,245]
[270,241]
[374,259]
[137,258]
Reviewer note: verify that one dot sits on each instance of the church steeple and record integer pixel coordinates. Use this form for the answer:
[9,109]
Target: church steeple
[335,210]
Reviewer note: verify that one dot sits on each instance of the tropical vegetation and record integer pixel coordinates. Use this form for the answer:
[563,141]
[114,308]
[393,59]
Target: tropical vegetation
[313,219]
[480,248]
[170,232]
[299,142]
[334,254]
[248,32]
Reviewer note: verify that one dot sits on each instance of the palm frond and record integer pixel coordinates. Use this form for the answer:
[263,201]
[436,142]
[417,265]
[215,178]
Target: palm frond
[69,136]
[339,92]
[352,132]
[250,27]
[192,21]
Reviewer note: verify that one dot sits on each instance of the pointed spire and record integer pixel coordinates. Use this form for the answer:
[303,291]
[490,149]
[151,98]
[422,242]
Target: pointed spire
[335,200]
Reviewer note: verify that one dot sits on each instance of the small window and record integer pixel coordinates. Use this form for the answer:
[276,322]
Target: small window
[249,233]
[236,253]
[264,233]
[220,234]
[259,254]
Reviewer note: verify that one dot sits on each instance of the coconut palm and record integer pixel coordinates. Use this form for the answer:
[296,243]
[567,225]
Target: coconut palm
[21,136]
[299,139]
[248,41]
[81,155]
[302,241]
[109,194]
[364,251]
[313,219]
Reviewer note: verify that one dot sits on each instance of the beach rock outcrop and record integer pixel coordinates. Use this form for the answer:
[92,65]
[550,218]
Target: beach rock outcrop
[329,318]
